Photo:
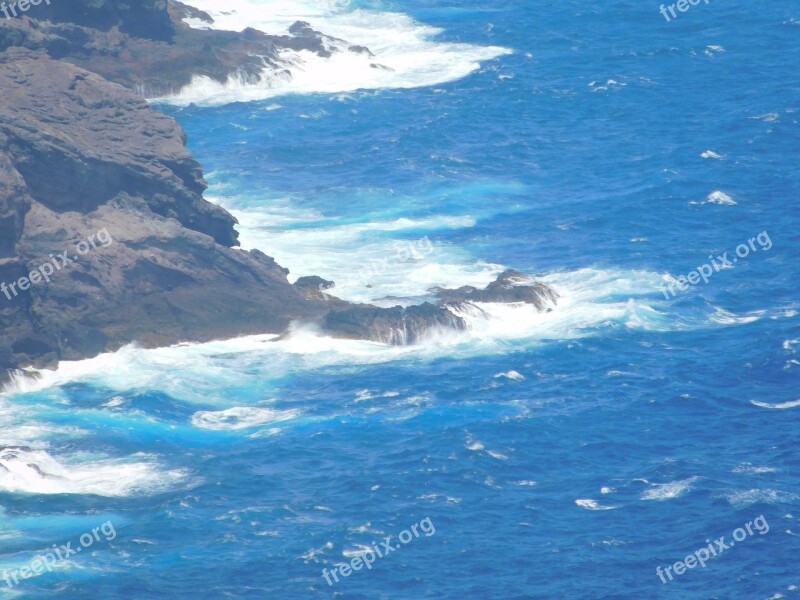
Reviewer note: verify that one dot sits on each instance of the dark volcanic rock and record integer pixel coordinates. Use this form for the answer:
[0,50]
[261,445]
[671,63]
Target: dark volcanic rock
[398,326]
[142,18]
[83,158]
[146,46]
[314,282]
[510,286]
[63,124]
[181,11]
[80,155]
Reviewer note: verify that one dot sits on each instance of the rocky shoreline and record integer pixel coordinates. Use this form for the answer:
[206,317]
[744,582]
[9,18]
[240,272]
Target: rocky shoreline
[82,152]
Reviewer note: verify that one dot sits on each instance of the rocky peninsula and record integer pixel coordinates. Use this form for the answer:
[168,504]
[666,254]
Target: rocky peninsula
[99,186]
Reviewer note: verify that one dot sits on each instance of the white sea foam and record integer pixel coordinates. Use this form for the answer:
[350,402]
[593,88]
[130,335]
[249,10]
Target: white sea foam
[19,428]
[589,504]
[406,53]
[669,490]
[359,550]
[742,498]
[718,197]
[512,375]
[115,402]
[724,317]
[25,470]
[591,300]
[358,257]
[497,455]
[240,417]
[754,469]
[781,406]
[525,483]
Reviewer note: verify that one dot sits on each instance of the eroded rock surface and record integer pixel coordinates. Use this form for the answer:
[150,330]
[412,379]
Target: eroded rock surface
[84,158]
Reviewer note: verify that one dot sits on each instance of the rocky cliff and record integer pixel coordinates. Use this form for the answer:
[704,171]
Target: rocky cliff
[105,237]
[79,155]
[146,46]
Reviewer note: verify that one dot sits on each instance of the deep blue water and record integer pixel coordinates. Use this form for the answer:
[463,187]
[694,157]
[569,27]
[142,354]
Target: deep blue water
[557,459]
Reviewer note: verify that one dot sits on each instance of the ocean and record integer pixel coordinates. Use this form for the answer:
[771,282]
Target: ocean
[644,165]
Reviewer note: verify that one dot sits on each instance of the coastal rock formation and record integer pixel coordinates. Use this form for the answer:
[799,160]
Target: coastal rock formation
[142,18]
[510,286]
[80,155]
[397,326]
[105,237]
[147,46]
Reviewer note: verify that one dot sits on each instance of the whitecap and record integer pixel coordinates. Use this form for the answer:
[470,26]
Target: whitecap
[362,395]
[589,504]
[525,483]
[496,455]
[724,317]
[512,375]
[781,406]
[312,553]
[24,470]
[711,154]
[768,117]
[750,468]
[719,197]
[742,498]
[668,491]
[359,550]
[406,53]
[240,417]
[591,300]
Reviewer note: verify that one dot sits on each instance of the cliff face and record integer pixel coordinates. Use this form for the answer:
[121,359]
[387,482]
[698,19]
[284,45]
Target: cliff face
[105,237]
[80,155]
[146,46]
[65,125]
[141,18]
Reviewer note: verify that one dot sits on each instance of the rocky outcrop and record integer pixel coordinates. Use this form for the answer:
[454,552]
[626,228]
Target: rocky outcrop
[105,237]
[141,18]
[80,155]
[64,124]
[398,326]
[510,286]
[146,46]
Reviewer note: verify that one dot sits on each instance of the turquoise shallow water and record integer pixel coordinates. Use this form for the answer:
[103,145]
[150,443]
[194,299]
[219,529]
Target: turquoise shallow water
[558,457]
